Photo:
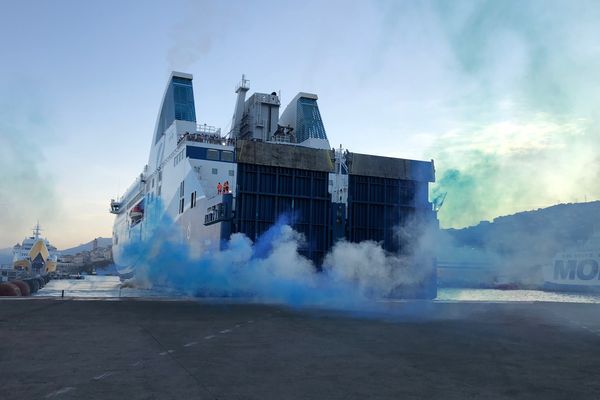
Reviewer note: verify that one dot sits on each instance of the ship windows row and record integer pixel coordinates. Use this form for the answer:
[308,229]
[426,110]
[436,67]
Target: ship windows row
[212,154]
[178,158]
[201,153]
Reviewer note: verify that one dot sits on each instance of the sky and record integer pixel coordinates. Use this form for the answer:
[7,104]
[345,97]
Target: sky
[502,95]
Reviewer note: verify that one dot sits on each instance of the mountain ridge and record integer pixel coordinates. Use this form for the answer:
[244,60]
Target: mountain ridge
[531,236]
[102,242]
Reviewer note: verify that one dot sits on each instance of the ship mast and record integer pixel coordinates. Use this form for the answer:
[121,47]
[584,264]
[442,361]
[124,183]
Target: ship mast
[236,123]
[37,230]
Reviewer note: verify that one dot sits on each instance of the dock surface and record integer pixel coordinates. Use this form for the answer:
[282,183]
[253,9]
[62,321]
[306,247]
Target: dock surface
[149,349]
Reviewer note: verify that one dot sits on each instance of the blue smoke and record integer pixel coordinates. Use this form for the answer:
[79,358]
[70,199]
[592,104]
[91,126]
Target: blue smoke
[269,270]
[264,244]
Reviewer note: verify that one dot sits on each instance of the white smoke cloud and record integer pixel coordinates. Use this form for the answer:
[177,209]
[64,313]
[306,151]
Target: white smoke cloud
[353,273]
[368,267]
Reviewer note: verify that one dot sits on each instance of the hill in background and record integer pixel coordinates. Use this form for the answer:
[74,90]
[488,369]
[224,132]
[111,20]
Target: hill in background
[102,242]
[515,248]
[538,233]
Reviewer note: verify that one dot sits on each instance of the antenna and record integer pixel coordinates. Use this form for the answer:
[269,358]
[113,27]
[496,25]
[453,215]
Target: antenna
[37,230]
[243,85]
[236,121]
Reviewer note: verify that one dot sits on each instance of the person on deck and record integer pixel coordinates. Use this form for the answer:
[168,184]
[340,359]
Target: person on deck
[219,188]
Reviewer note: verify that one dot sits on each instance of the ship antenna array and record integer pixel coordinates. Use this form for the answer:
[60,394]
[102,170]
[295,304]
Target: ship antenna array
[37,230]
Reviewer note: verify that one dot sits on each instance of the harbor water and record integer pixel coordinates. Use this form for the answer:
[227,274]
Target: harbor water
[96,286]
[110,287]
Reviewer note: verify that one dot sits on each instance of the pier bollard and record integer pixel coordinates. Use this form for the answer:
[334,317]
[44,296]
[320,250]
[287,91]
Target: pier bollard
[8,289]
[36,285]
[23,287]
[33,285]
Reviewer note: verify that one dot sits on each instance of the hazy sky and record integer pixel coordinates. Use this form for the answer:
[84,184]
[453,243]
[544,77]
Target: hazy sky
[503,95]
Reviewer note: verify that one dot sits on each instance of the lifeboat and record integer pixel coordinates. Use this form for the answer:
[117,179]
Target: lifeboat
[137,213]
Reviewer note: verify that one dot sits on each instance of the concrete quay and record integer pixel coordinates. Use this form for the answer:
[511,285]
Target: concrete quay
[150,349]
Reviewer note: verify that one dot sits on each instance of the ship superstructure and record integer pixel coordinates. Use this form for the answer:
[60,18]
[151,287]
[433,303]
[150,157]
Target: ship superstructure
[35,254]
[212,184]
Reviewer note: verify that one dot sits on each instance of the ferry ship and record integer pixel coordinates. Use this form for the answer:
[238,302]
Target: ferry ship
[35,254]
[576,269]
[211,185]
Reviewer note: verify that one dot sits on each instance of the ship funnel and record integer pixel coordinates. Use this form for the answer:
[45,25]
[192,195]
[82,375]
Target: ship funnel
[177,103]
[303,117]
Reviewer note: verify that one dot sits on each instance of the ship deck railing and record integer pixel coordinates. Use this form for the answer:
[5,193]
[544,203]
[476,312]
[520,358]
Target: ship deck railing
[208,129]
[214,138]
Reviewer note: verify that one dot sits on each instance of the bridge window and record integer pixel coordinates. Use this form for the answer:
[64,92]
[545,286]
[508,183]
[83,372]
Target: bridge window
[212,154]
[227,156]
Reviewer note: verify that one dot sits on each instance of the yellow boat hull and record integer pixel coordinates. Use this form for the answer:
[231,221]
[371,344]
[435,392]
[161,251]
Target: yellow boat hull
[39,254]
[22,265]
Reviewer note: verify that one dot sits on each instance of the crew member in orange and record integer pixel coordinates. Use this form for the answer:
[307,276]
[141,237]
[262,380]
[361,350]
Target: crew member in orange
[219,188]
[226,187]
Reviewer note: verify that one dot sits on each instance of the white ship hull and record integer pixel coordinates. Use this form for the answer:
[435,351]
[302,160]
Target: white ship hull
[574,271]
[192,185]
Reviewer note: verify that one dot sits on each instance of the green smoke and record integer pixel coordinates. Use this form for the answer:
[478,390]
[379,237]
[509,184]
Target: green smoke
[525,132]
